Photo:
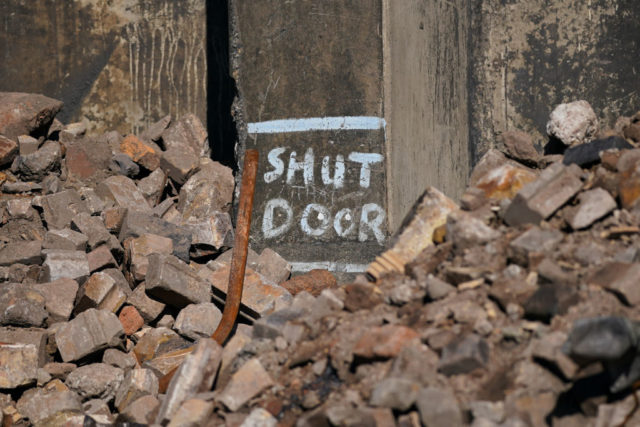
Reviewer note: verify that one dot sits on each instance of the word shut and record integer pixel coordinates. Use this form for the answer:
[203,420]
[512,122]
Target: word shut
[364,222]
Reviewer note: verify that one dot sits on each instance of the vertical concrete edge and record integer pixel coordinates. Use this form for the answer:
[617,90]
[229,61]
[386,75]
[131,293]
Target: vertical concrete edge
[386,111]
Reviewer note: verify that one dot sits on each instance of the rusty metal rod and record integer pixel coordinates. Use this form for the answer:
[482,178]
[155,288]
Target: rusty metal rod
[238,259]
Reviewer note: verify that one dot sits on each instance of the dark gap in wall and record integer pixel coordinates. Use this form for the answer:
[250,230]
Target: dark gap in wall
[221,86]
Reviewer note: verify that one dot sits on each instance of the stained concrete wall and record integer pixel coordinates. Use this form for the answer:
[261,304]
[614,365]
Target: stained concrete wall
[122,64]
[426,99]
[531,55]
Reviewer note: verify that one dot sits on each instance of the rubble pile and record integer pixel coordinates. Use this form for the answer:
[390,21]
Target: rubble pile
[516,307]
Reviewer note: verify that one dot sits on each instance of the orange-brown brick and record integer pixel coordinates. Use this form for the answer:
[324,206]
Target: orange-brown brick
[130,319]
[313,282]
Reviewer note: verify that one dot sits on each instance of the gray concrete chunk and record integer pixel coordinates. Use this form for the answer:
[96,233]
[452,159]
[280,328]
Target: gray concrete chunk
[59,297]
[538,200]
[89,332]
[173,282]
[60,208]
[21,253]
[61,264]
[20,305]
[33,336]
[95,381]
[250,380]
[198,320]
[593,205]
[195,375]
[66,239]
[92,227]
[40,405]
[123,192]
[137,383]
[148,308]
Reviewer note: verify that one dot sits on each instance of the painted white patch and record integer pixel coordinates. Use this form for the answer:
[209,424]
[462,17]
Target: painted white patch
[365,159]
[373,225]
[269,230]
[323,216]
[344,214]
[338,267]
[305,166]
[338,172]
[277,163]
[317,123]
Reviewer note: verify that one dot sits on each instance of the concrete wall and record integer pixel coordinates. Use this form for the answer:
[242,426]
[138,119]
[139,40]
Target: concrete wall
[120,63]
[531,55]
[426,99]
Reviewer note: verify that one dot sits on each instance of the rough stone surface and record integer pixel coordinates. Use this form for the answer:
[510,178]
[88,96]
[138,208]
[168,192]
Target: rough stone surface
[18,365]
[246,383]
[195,375]
[198,320]
[87,333]
[131,320]
[272,266]
[95,381]
[59,298]
[438,408]
[175,283]
[23,113]
[65,239]
[136,384]
[141,410]
[464,355]
[92,227]
[41,405]
[8,150]
[135,224]
[123,192]
[207,191]
[21,253]
[148,308]
[384,342]
[573,123]
[395,393]
[20,305]
[102,292]
[61,264]
[141,247]
[37,165]
[60,208]
[193,412]
[593,205]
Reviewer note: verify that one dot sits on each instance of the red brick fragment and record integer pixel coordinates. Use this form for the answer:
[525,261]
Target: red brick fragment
[130,319]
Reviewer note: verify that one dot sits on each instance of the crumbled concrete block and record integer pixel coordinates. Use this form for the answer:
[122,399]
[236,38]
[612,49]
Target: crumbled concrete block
[101,258]
[113,218]
[20,209]
[249,381]
[152,186]
[313,282]
[260,296]
[124,165]
[540,199]
[210,235]
[123,192]
[41,405]
[465,230]
[62,264]
[395,393]
[207,191]
[573,123]
[135,224]
[28,144]
[195,375]
[66,239]
[37,165]
[59,297]
[194,412]
[22,252]
[60,208]
[20,305]
[154,131]
[534,240]
[620,278]
[272,266]
[8,150]
[33,336]
[137,383]
[131,320]
[187,133]
[92,200]
[102,292]
[519,145]
[173,282]
[92,227]
[272,325]
[141,410]
[90,331]
[148,308]
[593,205]
[198,320]
[178,163]
[464,355]
[95,381]
[438,407]
[18,365]
[59,370]
[140,248]
[98,410]
[119,359]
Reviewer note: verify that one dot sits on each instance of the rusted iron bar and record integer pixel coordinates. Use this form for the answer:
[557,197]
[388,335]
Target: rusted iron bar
[238,259]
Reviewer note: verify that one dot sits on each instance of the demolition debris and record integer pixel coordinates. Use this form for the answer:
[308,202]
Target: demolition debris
[516,307]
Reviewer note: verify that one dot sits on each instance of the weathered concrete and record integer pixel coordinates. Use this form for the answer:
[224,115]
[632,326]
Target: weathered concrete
[426,99]
[122,64]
